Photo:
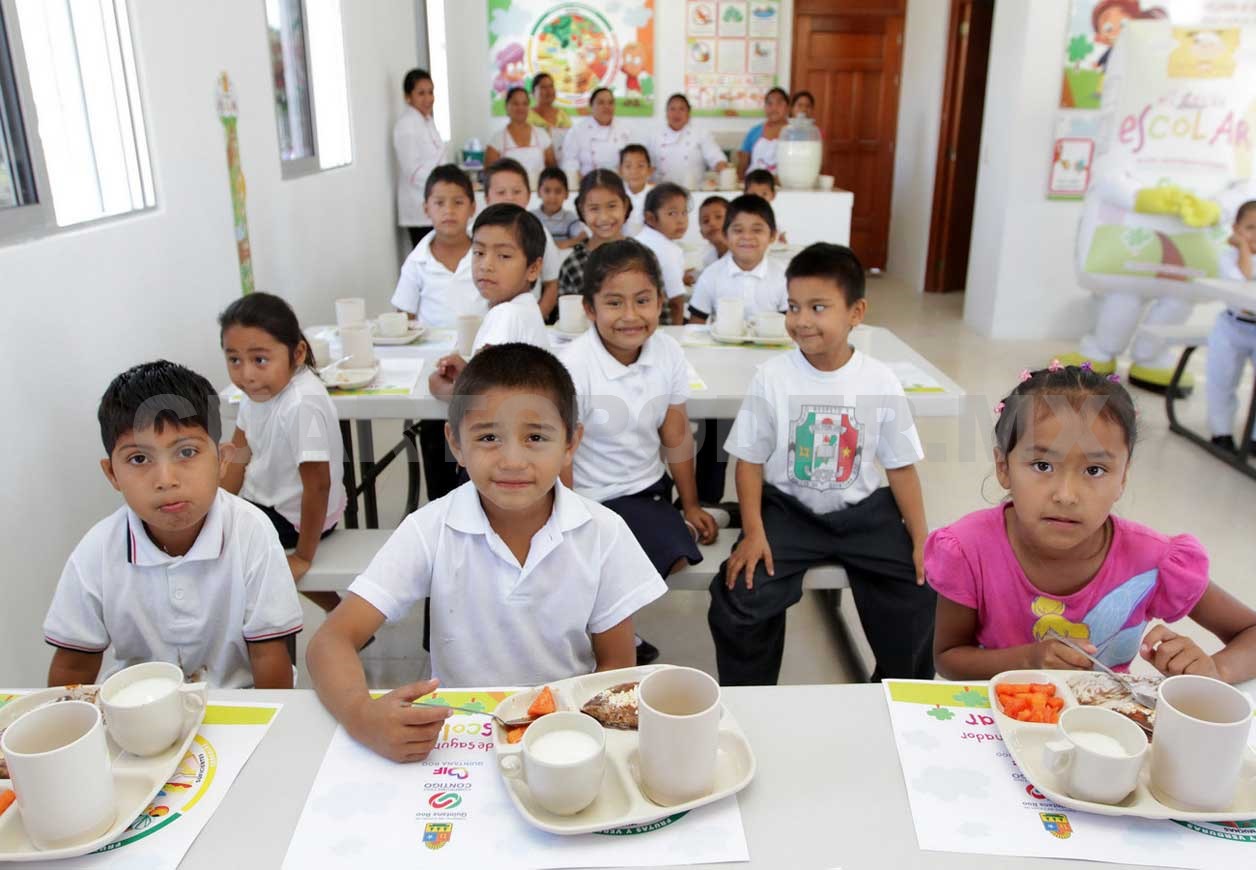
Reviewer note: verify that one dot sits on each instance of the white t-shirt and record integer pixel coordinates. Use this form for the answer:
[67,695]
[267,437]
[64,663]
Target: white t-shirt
[298,425]
[517,319]
[434,294]
[636,220]
[496,622]
[119,591]
[817,433]
[671,257]
[531,156]
[419,149]
[622,408]
[763,288]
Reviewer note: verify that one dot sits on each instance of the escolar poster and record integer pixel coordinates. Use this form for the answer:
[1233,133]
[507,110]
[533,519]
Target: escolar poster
[583,46]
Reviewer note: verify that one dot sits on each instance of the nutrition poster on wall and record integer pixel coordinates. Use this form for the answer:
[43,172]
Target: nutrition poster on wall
[732,55]
[967,795]
[583,46]
[452,810]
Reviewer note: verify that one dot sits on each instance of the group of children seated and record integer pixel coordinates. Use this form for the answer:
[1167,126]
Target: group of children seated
[559,523]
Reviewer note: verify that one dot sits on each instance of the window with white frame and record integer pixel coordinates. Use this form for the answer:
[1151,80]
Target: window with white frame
[307,58]
[73,146]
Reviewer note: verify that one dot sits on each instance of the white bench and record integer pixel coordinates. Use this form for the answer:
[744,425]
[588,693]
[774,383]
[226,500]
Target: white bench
[346,553]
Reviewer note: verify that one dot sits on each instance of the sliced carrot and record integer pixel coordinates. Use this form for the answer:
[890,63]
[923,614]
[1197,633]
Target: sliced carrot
[7,797]
[1043,688]
[1055,703]
[1013,704]
[514,735]
[1024,715]
[1013,688]
[543,704]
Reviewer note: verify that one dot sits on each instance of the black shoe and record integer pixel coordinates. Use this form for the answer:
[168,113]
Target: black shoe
[647,652]
[734,513]
[1225,442]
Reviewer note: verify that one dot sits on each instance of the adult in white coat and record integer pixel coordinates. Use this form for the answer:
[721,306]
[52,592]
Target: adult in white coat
[420,149]
[680,153]
[595,142]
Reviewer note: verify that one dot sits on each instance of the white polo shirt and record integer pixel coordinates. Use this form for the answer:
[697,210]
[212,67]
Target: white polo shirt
[496,622]
[434,294]
[298,425]
[622,408]
[819,434]
[671,257]
[762,288]
[636,220]
[517,319]
[119,591]
[551,263]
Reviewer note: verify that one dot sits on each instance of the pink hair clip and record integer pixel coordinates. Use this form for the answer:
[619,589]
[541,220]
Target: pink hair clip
[998,409]
[1025,375]
[1114,378]
[1055,366]
[1087,367]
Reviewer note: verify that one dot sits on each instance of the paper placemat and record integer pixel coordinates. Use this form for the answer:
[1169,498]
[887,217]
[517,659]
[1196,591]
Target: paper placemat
[915,379]
[699,335]
[967,795]
[397,376]
[696,384]
[160,838]
[366,811]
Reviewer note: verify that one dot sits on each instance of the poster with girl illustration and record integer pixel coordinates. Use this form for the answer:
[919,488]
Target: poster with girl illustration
[583,46]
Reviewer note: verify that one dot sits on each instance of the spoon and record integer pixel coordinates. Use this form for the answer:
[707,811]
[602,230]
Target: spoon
[505,723]
[1143,697]
[325,369]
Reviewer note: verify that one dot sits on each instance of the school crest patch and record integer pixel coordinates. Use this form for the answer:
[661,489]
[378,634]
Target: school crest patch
[437,834]
[825,446]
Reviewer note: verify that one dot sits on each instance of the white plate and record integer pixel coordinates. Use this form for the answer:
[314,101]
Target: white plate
[136,783]
[621,802]
[1025,740]
[751,338]
[414,332]
[350,379]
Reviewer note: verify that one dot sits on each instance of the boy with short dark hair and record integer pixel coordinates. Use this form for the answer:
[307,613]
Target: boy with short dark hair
[635,169]
[815,423]
[711,224]
[561,222]
[184,572]
[762,183]
[555,577]
[506,181]
[748,273]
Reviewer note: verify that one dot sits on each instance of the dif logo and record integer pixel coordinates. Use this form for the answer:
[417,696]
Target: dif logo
[455,772]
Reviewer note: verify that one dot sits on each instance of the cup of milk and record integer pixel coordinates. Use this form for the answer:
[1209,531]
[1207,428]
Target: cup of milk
[564,760]
[1098,755]
[148,707]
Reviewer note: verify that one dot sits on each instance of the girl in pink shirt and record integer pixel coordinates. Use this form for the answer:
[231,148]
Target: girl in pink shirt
[1052,560]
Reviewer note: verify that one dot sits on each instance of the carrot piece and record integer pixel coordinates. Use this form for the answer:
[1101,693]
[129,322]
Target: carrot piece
[1037,700]
[543,704]
[1024,715]
[514,735]
[1043,688]
[7,797]
[1013,704]
[1012,688]
[1055,703]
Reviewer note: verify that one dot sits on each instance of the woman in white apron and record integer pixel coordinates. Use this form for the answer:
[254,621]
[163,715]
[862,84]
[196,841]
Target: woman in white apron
[594,142]
[680,153]
[519,140]
[758,150]
[420,149]
[545,114]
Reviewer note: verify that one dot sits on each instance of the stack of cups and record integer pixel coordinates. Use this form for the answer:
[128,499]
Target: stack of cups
[355,334]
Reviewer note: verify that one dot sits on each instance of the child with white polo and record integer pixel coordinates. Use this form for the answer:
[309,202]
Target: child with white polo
[184,572]
[506,180]
[815,424]
[666,220]
[746,272]
[506,249]
[529,582]
[635,170]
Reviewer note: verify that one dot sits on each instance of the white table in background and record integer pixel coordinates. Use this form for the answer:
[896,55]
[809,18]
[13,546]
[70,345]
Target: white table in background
[828,792]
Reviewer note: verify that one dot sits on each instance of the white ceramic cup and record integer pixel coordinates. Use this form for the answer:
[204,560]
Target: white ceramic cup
[678,729]
[1200,749]
[563,779]
[825,182]
[350,311]
[468,326]
[730,316]
[355,343]
[1098,754]
[769,324]
[153,720]
[571,316]
[728,178]
[62,773]
[321,351]
[393,324]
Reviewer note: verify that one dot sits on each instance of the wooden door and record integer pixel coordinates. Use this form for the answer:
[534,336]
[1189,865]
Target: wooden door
[959,145]
[848,53]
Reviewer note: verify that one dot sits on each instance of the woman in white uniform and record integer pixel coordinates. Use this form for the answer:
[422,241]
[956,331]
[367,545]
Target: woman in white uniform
[419,148]
[519,140]
[758,150]
[595,142]
[680,153]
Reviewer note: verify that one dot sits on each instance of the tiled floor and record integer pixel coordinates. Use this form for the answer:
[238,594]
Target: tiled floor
[1174,487]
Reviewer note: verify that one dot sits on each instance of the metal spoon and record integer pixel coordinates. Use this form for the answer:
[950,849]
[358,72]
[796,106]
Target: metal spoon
[325,369]
[1147,699]
[511,723]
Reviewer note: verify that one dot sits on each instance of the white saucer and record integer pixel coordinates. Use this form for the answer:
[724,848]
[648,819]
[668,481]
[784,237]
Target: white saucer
[414,332]
[751,338]
[565,334]
[350,379]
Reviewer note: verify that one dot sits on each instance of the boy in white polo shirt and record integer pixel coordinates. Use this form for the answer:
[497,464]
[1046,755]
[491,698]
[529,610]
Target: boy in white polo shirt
[436,288]
[185,572]
[814,425]
[529,582]
[506,251]
[666,220]
[746,272]
[507,181]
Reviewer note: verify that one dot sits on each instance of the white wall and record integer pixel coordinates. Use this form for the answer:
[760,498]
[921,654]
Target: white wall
[466,24]
[84,305]
[916,148]
[1020,275]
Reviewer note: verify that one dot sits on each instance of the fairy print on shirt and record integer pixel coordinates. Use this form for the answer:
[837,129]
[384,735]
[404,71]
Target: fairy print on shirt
[1104,625]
